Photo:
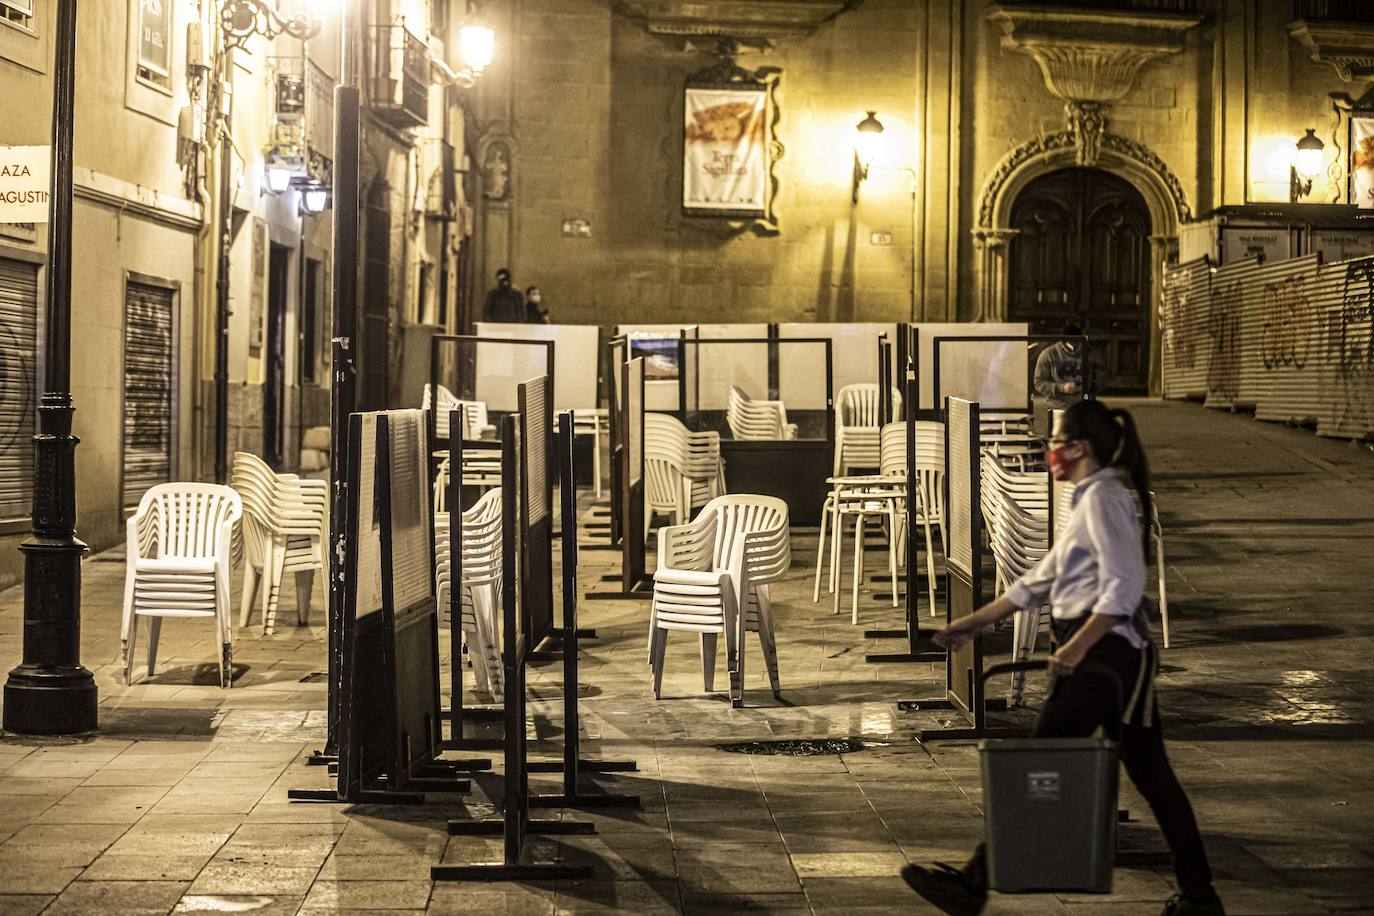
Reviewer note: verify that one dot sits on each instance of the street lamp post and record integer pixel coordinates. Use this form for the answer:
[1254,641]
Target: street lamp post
[51,693]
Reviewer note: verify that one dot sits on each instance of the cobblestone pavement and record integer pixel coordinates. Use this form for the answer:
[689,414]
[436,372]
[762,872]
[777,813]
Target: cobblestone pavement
[179,804]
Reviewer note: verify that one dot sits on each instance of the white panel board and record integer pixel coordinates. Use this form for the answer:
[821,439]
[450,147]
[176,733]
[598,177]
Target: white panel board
[576,355]
[925,348]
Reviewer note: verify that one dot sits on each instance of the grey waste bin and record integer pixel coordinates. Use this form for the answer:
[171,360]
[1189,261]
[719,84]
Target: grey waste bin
[1049,807]
[1050,813]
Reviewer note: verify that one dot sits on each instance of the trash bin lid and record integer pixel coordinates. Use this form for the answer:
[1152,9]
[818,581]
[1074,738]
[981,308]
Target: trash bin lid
[1005,745]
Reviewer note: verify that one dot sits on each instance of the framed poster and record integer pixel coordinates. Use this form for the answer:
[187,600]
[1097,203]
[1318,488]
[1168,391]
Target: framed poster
[728,143]
[1362,160]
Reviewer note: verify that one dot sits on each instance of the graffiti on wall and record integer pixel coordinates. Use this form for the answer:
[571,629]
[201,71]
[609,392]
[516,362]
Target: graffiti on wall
[1286,333]
[1176,318]
[1223,335]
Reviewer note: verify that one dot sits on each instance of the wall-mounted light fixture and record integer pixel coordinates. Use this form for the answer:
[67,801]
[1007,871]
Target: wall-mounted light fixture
[1307,165]
[478,45]
[278,177]
[868,136]
[314,199]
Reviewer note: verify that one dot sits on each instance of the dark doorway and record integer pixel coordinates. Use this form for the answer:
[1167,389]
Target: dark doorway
[310,320]
[1082,254]
[274,355]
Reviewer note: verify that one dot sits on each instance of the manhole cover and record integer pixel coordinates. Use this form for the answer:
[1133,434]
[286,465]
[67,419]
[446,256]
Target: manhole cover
[818,747]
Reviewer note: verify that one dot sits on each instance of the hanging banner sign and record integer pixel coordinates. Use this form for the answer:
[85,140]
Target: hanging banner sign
[24,183]
[725,152]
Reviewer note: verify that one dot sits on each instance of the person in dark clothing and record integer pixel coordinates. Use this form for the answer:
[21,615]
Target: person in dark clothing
[1065,373]
[504,304]
[536,312]
[1093,579]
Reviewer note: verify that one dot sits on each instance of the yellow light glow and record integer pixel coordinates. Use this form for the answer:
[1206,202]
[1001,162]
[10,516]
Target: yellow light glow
[477,45]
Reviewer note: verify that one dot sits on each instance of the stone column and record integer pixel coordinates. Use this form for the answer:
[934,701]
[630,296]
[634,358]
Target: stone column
[990,252]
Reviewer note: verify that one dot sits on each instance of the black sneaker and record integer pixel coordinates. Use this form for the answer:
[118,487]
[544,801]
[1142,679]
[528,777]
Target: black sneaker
[1181,906]
[946,888]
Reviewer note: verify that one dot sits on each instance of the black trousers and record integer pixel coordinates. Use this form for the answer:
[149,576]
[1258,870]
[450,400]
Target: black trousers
[1075,708]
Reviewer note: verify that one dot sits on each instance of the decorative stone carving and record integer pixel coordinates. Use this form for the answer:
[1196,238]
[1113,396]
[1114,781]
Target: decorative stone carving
[1347,47]
[1087,123]
[1090,58]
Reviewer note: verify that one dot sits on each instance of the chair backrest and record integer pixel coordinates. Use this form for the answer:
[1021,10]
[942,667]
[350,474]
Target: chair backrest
[697,455]
[663,481]
[750,419]
[892,451]
[752,537]
[187,520]
[282,503]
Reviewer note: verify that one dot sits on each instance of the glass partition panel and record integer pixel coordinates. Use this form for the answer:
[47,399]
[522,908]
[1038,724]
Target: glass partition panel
[923,353]
[854,348]
[575,358]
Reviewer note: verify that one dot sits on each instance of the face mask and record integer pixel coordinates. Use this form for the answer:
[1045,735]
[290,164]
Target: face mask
[1060,466]
[536,298]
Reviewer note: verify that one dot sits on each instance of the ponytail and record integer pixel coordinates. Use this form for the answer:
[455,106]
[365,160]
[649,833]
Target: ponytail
[1115,443]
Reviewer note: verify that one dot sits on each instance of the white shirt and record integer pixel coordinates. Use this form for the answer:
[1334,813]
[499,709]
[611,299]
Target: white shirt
[1097,565]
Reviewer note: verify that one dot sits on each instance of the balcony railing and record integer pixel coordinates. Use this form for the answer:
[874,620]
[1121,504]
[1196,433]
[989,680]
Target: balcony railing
[1338,10]
[400,76]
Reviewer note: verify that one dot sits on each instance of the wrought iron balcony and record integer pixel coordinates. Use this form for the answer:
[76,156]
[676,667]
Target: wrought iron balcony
[1134,6]
[1337,10]
[400,76]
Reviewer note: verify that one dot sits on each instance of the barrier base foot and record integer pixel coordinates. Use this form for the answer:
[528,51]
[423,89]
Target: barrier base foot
[451,767]
[585,766]
[471,744]
[319,795]
[584,800]
[475,712]
[542,827]
[439,784]
[319,759]
[884,634]
[496,871]
[935,655]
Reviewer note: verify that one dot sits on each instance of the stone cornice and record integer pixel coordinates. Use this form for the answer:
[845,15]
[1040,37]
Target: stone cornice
[748,19]
[1347,47]
[1090,55]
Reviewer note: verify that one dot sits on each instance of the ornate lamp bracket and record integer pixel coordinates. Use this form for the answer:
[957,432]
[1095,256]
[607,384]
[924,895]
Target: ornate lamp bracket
[242,19]
[1090,58]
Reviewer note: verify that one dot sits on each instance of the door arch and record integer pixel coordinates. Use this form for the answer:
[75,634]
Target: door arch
[1080,252]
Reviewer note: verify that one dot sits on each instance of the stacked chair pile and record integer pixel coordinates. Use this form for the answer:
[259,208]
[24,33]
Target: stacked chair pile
[475,422]
[683,470]
[179,542]
[480,585]
[857,445]
[712,579]
[751,419]
[285,529]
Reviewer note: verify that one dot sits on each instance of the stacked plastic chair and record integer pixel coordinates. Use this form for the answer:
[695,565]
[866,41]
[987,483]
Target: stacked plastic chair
[285,529]
[711,572]
[857,427]
[480,586]
[928,489]
[179,545]
[475,422]
[1015,508]
[683,470]
[751,419]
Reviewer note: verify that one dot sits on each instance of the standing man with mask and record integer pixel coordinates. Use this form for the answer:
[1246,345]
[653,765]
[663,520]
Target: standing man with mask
[504,303]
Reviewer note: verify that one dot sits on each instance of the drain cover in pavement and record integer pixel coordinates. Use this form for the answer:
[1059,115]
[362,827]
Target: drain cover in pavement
[818,747]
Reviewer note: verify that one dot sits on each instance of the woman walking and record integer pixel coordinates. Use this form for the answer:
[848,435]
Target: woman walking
[1094,581]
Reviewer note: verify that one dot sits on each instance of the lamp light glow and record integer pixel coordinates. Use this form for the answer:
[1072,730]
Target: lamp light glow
[477,45]
[1308,160]
[867,140]
[315,199]
[278,179]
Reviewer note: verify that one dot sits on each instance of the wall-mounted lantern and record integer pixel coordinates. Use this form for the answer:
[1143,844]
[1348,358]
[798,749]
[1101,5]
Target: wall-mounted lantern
[1307,165]
[868,137]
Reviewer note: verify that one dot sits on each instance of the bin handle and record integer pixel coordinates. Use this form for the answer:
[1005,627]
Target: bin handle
[1040,664]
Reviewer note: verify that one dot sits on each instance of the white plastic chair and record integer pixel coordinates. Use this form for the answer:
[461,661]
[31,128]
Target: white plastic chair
[284,530]
[929,490]
[588,421]
[751,419]
[713,577]
[179,545]
[857,434]
[697,454]
[476,424]
[480,587]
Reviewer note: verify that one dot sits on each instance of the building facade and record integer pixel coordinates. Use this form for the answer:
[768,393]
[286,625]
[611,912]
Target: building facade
[1037,161]
[164,111]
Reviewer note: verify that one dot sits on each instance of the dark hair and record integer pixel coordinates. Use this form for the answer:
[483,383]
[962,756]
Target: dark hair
[1111,434]
[530,290]
[503,272]
[1072,329]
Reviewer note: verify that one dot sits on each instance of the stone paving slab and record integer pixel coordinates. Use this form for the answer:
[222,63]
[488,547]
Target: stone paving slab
[179,804]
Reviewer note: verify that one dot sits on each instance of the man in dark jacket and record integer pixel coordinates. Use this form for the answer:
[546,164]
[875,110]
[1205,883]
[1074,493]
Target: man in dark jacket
[504,303]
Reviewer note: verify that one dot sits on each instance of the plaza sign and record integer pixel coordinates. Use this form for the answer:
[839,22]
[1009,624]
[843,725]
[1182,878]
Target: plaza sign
[24,183]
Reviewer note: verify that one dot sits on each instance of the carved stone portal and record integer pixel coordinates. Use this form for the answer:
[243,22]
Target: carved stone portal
[1090,58]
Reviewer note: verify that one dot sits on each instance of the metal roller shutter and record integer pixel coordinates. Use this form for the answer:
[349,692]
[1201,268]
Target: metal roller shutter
[18,384]
[147,389]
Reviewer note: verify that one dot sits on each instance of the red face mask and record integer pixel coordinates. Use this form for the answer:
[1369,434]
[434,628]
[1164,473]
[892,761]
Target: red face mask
[1060,466]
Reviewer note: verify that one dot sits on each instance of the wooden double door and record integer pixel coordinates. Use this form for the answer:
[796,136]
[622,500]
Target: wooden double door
[1082,255]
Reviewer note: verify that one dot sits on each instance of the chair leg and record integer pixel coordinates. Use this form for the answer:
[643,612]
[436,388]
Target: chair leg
[708,660]
[154,630]
[820,555]
[892,549]
[1163,592]
[660,645]
[226,666]
[768,640]
[930,569]
[251,580]
[305,583]
[129,653]
[858,566]
[836,556]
